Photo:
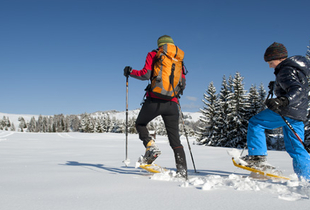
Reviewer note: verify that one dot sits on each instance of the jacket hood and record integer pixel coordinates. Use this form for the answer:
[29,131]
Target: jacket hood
[299,62]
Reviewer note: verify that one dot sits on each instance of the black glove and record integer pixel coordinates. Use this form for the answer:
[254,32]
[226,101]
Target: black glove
[127,71]
[275,104]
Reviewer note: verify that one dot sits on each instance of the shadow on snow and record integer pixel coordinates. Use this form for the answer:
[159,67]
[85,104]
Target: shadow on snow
[121,170]
[138,171]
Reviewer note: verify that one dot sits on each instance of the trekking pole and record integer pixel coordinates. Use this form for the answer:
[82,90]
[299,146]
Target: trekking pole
[126,161]
[285,120]
[189,147]
[292,129]
[243,149]
[182,117]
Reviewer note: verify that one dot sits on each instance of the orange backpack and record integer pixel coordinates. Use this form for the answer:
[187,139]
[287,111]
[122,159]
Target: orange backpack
[167,73]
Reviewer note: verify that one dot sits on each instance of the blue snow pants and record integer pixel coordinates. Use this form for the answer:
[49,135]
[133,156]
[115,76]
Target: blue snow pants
[256,139]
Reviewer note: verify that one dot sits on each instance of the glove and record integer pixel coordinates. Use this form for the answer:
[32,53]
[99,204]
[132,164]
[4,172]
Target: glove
[127,71]
[275,104]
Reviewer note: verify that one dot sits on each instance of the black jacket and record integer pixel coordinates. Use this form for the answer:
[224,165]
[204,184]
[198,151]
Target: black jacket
[291,82]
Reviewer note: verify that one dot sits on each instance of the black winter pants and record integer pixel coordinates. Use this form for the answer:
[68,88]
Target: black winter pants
[170,115]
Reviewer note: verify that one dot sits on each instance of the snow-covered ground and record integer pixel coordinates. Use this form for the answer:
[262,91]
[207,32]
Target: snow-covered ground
[62,171]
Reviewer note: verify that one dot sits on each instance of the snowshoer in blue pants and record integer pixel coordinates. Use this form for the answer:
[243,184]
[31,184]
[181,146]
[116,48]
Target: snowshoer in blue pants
[291,89]
[256,138]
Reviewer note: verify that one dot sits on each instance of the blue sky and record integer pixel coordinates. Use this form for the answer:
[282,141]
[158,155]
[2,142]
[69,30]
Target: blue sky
[68,56]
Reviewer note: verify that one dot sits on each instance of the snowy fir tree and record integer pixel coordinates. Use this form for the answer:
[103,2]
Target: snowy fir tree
[116,127]
[73,122]
[261,98]
[5,124]
[225,98]
[254,102]
[107,123]
[44,126]
[59,123]
[13,127]
[39,124]
[99,125]
[32,125]
[22,124]
[209,133]
[238,119]
[51,126]
[230,84]
[86,125]
[308,52]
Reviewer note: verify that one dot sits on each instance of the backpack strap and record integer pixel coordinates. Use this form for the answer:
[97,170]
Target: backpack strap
[185,71]
[176,51]
[154,61]
[148,87]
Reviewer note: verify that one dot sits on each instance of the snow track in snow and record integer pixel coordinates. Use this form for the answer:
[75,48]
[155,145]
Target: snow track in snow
[65,135]
[4,134]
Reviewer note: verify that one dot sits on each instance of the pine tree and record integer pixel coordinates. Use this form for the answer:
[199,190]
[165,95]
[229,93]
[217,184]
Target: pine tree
[61,123]
[107,123]
[45,124]
[32,125]
[39,124]
[308,52]
[209,131]
[116,128]
[230,84]
[254,102]
[5,123]
[74,123]
[99,125]
[2,123]
[67,126]
[225,98]
[262,98]
[50,124]
[237,119]
[85,123]
[22,124]
[13,127]
[8,123]
[91,126]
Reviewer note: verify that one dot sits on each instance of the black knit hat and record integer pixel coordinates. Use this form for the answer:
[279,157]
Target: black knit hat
[275,51]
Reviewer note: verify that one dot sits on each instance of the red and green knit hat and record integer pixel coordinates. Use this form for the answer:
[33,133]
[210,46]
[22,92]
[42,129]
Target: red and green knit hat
[164,40]
[275,51]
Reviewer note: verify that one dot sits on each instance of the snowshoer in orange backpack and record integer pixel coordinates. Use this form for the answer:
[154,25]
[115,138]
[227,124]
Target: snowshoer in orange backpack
[164,68]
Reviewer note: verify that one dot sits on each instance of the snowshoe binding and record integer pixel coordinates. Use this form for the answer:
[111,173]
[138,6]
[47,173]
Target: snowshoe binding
[257,161]
[151,153]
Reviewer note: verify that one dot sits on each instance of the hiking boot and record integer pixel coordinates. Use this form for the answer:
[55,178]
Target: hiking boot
[255,160]
[151,153]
